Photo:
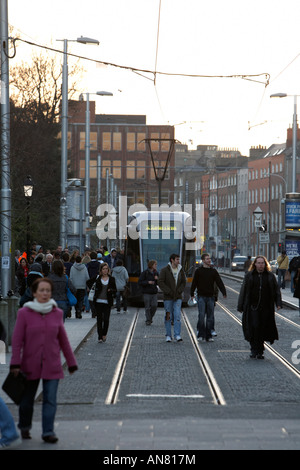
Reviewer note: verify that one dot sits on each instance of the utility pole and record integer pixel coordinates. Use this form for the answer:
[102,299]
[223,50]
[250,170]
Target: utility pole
[5,156]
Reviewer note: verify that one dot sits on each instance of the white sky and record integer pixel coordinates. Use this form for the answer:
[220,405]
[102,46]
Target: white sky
[195,37]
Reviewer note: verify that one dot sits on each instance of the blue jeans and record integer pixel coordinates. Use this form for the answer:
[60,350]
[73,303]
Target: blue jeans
[174,308]
[293,274]
[280,279]
[63,304]
[7,425]
[206,305]
[49,406]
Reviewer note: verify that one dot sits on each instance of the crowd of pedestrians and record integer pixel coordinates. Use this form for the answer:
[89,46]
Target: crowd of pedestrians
[71,270]
[96,278]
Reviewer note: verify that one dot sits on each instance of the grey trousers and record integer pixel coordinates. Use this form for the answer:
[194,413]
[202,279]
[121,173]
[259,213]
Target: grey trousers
[150,301]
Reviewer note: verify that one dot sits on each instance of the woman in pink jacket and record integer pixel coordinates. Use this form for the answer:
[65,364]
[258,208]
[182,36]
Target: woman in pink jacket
[39,337]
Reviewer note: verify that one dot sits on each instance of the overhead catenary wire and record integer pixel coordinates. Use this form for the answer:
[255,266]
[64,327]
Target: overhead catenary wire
[250,77]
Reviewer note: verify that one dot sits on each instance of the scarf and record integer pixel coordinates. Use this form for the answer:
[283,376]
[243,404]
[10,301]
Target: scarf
[42,308]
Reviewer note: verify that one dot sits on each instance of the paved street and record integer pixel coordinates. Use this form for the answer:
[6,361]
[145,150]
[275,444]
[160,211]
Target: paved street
[84,422]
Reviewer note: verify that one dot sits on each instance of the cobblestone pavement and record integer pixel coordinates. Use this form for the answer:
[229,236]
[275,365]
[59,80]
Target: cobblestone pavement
[262,410]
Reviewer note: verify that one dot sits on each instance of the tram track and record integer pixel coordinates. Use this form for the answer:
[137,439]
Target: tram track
[209,376]
[113,391]
[211,380]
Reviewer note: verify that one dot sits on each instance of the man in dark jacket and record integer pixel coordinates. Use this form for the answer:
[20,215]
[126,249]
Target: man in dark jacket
[258,295]
[148,283]
[172,282]
[205,279]
[293,269]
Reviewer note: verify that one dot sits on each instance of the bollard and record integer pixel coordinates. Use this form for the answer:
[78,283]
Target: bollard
[4,318]
[12,310]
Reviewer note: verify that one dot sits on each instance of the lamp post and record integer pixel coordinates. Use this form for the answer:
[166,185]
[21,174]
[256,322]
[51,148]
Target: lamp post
[64,133]
[28,189]
[294,178]
[258,214]
[5,155]
[87,158]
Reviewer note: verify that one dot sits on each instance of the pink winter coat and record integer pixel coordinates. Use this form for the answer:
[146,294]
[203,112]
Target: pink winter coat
[37,342]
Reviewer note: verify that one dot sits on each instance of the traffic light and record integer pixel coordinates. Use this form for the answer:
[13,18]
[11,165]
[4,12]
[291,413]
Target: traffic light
[279,247]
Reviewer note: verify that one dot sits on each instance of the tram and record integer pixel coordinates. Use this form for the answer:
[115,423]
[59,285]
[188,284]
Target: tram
[156,235]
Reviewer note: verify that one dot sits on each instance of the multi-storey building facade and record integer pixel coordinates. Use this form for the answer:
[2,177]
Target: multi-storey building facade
[122,145]
[232,188]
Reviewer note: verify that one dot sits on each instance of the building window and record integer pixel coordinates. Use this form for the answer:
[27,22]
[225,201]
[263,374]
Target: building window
[105,166]
[117,141]
[140,170]
[93,169]
[130,169]
[93,140]
[106,140]
[116,168]
[140,197]
[141,145]
[155,143]
[165,145]
[130,141]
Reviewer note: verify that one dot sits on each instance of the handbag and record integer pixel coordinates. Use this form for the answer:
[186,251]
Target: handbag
[92,291]
[72,301]
[14,386]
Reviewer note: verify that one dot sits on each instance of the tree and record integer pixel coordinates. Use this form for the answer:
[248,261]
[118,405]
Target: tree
[35,146]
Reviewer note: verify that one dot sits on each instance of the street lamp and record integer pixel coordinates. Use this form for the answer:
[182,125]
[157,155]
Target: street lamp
[294,178]
[87,157]
[64,133]
[28,190]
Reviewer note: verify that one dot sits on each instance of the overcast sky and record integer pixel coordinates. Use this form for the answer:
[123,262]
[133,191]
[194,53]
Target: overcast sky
[258,39]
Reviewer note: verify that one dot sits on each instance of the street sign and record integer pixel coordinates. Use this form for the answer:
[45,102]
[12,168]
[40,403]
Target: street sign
[264,238]
[257,223]
[258,212]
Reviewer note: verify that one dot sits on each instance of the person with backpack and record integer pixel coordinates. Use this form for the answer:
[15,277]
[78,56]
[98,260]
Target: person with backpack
[119,272]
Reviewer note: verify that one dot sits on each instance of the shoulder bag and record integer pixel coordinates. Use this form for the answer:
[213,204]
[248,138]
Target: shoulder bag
[72,301]
[92,291]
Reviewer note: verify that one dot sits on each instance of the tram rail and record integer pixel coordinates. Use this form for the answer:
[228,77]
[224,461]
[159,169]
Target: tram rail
[112,395]
[211,380]
[208,373]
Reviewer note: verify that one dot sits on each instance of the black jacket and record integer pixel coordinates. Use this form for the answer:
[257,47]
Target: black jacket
[294,264]
[144,279]
[205,281]
[93,268]
[111,290]
[244,305]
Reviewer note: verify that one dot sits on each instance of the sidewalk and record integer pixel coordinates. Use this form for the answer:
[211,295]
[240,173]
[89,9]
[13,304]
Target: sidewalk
[77,330]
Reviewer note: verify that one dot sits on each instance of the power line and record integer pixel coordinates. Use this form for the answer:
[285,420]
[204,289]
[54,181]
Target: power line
[250,77]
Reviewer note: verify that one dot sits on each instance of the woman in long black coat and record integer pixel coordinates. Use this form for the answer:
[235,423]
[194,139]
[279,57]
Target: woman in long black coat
[257,299]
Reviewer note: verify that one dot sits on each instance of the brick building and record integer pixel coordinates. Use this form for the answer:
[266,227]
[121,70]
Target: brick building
[126,167]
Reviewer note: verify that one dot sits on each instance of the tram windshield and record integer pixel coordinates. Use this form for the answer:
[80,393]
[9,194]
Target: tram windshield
[159,239]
